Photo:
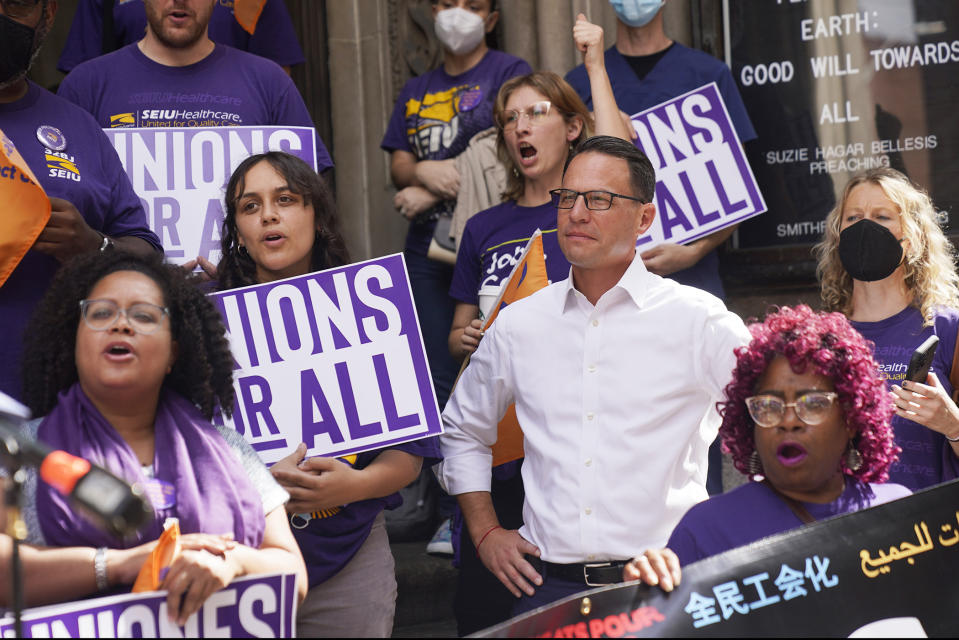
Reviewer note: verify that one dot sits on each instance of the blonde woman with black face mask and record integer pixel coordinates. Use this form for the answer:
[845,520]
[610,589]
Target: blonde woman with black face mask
[885,262]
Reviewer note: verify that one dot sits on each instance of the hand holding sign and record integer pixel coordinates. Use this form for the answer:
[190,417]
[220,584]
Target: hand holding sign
[316,484]
[193,577]
[655,567]
[669,258]
[66,234]
[207,272]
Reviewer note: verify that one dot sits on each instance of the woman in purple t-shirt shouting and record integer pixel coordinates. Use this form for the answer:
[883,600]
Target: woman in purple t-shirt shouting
[281,222]
[806,416]
[885,263]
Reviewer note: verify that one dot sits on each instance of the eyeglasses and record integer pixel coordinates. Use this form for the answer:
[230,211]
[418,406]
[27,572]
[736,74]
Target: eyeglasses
[18,9]
[144,317]
[536,113]
[595,200]
[812,408]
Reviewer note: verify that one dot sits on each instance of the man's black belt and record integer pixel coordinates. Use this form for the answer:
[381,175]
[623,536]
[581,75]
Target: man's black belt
[591,574]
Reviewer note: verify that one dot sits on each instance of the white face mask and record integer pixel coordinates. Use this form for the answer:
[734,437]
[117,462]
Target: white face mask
[459,30]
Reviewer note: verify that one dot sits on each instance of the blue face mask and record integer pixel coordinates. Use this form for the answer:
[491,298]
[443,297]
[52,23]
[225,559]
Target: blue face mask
[636,13]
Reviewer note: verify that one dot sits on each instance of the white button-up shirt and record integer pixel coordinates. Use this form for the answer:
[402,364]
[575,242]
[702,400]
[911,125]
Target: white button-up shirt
[616,406]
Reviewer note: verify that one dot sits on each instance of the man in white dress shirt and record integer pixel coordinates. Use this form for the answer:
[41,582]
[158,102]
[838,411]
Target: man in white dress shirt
[613,372]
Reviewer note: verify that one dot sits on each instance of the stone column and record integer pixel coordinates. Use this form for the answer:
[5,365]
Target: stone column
[361,99]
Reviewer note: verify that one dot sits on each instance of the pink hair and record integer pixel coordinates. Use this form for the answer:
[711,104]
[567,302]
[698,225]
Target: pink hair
[829,343]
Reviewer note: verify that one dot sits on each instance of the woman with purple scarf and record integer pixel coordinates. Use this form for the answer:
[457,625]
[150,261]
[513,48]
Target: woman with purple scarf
[128,362]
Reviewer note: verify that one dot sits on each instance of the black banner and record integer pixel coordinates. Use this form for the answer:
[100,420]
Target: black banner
[888,570]
[836,88]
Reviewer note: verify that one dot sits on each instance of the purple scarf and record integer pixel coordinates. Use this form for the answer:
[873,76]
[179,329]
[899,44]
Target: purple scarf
[212,492]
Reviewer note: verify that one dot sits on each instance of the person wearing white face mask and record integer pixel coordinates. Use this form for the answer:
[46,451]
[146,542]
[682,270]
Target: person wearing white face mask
[647,68]
[435,116]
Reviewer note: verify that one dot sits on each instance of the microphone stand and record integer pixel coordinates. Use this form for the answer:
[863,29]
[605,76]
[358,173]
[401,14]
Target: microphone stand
[16,528]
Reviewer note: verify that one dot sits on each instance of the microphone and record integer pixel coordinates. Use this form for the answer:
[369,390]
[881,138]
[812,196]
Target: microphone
[106,500]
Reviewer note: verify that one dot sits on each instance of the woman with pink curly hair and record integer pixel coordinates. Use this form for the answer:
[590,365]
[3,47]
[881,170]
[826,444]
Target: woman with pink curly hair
[806,416]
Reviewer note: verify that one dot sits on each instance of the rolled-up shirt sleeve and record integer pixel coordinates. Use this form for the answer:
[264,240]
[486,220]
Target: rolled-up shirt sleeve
[479,401]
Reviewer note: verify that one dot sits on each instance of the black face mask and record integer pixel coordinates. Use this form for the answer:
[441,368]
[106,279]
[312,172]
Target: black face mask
[869,251]
[16,48]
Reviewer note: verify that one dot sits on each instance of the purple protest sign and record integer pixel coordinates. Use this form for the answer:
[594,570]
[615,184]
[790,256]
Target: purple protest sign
[703,181]
[250,607]
[334,359]
[180,175]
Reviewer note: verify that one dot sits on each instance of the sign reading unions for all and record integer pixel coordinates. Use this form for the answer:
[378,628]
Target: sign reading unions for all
[180,175]
[334,359]
[703,181]
[250,607]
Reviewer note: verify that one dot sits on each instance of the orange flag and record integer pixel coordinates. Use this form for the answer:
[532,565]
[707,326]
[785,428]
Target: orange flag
[247,13]
[157,564]
[527,277]
[26,208]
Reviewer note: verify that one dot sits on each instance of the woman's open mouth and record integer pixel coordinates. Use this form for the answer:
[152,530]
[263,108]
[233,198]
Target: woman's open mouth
[790,453]
[527,154]
[118,351]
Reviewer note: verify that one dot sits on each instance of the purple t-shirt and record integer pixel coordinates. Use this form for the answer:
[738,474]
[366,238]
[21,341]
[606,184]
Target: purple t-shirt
[436,114]
[273,38]
[491,245]
[680,70]
[329,540]
[228,87]
[87,173]
[926,458]
[752,511]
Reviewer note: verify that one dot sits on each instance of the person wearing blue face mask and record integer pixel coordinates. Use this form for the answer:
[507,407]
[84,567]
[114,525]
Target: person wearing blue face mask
[647,68]
[885,262]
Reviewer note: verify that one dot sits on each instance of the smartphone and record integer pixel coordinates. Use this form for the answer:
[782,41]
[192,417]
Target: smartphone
[921,360]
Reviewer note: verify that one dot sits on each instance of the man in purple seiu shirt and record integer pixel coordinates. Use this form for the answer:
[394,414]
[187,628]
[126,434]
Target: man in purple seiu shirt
[94,207]
[176,76]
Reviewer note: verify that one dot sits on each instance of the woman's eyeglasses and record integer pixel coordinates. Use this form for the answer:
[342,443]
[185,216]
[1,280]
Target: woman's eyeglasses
[144,317]
[536,113]
[812,408]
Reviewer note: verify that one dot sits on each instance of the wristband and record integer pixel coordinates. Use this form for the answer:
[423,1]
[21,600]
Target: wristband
[486,534]
[100,569]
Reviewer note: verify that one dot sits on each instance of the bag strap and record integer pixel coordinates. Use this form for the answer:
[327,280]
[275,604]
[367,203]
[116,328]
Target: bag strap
[954,371]
[794,505]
